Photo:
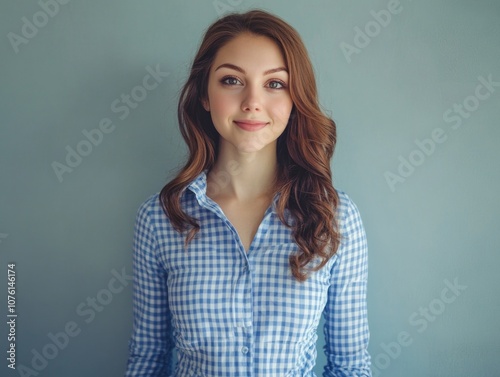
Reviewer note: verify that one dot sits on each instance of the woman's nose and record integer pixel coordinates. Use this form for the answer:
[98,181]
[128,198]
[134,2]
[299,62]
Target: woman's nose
[252,100]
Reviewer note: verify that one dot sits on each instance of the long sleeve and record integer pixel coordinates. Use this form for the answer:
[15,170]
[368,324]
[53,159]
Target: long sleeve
[346,323]
[151,345]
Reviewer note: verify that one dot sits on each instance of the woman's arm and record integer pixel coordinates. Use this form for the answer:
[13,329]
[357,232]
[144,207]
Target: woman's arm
[151,346]
[346,326]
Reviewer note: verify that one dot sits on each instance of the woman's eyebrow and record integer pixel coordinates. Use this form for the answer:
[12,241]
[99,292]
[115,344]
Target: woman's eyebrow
[239,69]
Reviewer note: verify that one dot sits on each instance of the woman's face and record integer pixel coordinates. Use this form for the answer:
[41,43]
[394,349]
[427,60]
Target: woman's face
[248,96]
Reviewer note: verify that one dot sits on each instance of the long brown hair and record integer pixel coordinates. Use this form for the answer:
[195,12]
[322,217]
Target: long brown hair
[304,150]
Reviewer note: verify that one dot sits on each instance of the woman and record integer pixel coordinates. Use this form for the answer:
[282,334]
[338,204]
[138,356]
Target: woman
[239,256]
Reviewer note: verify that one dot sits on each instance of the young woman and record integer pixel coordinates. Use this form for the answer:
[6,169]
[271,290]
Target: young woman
[239,256]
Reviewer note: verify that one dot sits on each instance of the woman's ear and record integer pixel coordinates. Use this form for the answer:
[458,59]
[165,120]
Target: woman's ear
[206,104]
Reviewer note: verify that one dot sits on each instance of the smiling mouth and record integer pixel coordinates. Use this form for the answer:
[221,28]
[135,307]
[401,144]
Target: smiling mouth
[250,125]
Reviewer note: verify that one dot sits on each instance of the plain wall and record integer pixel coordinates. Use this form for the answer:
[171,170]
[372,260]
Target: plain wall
[430,206]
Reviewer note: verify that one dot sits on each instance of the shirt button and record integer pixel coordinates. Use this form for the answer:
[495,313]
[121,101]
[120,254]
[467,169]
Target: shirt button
[244,350]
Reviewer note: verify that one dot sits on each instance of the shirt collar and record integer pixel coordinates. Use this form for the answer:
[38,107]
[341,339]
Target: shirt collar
[199,187]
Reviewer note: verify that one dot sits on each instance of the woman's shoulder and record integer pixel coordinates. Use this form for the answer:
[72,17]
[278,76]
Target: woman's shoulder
[347,210]
[153,207]
[150,208]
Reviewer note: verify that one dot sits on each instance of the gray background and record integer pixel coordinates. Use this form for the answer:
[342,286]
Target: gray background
[437,224]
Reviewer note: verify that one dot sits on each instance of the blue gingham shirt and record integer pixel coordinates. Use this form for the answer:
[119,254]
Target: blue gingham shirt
[231,313]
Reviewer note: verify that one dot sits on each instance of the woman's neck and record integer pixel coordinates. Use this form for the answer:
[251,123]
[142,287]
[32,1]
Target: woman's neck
[243,176]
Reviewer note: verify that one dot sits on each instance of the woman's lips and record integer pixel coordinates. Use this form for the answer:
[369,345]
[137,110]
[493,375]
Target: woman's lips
[250,125]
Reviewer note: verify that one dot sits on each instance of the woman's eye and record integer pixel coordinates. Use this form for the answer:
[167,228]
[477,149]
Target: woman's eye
[230,81]
[276,85]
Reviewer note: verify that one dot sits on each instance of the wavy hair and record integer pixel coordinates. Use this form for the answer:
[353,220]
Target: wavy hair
[304,149]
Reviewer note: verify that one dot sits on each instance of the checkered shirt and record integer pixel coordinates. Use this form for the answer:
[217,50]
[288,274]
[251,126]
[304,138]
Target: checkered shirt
[231,313]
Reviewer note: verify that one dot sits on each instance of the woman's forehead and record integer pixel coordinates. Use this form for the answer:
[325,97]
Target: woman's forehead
[249,52]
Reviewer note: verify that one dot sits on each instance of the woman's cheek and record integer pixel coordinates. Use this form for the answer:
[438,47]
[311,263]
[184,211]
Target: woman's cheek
[223,103]
[281,111]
